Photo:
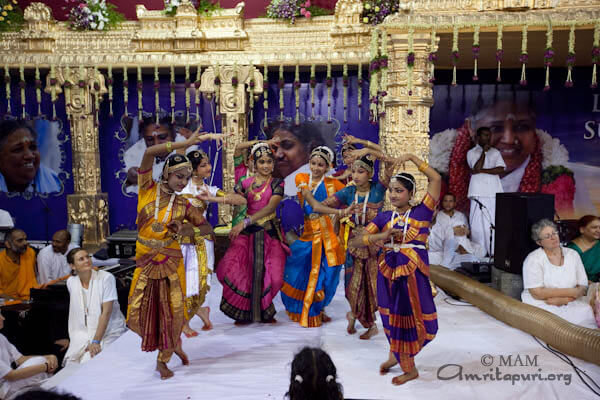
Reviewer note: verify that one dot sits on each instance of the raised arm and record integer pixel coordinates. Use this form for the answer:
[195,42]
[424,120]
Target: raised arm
[153,151]
[365,143]
[225,198]
[240,147]
[435,180]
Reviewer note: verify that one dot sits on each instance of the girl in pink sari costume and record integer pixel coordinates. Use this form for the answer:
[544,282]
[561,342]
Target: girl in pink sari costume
[251,271]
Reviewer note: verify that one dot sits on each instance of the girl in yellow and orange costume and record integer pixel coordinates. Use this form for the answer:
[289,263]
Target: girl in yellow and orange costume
[156,298]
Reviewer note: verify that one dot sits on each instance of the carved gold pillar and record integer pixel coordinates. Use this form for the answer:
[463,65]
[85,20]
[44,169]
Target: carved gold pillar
[402,131]
[83,88]
[233,108]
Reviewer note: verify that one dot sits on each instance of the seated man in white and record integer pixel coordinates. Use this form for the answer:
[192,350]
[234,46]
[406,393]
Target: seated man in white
[30,370]
[449,246]
[52,259]
[554,278]
[95,318]
[448,215]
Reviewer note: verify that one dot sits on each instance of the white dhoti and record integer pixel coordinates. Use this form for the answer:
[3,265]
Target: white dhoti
[481,219]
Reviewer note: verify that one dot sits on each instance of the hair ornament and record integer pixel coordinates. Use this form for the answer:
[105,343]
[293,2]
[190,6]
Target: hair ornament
[329,378]
[324,152]
[260,149]
[298,379]
[399,177]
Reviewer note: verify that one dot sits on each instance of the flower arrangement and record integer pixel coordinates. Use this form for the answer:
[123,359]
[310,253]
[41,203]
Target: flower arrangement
[92,15]
[375,11]
[292,9]
[11,16]
[204,7]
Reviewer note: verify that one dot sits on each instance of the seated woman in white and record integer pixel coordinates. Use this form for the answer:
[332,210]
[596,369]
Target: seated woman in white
[95,319]
[554,278]
[30,371]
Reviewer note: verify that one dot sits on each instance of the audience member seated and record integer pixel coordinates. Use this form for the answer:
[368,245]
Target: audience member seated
[554,278]
[52,261]
[448,216]
[39,394]
[314,377]
[17,266]
[95,318]
[449,245]
[6,220]
[587,244]
[30,370]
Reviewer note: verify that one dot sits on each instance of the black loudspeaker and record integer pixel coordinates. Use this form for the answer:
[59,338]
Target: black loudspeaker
[515,214]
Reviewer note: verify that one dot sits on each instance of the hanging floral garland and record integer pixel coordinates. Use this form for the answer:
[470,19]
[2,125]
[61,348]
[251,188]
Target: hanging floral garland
[197,85]
[475,50]
[524,57]
[329,83]
[125,89]
[383,65]
[22,85]
[548,55]
[7,85]
[595,54]
[313,85]
[217,83]
[38,90]
[455,54]
[374,79]
[345,83]
[359,93]
[281,84]
[187,84]
[172,87]
[140,86]
[53,96]
[266,91]
[156,94]
[68,83]
[499,51]
[234,77]
[410,65]
[96,86]
[297,85]
[432,57]
[109,83]
[251,86]
[570,58]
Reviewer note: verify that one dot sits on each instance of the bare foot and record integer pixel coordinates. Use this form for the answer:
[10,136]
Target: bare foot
[325,318]
[351,321]
[408,376]
[181,354]
[189,332]
[204,313]
[386,366]
[242,323]
[165,373]
[372,331]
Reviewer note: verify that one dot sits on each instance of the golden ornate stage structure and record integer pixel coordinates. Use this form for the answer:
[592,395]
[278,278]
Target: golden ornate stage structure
[225,44]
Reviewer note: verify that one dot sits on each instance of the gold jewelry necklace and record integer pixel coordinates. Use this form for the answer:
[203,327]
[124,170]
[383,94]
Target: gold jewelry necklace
[156,225]
[257,195]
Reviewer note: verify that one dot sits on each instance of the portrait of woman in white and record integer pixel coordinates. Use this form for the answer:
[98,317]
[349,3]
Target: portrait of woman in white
[95,319]
[554,278]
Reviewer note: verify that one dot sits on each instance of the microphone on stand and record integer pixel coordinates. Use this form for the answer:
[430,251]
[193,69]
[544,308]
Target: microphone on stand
[492,226]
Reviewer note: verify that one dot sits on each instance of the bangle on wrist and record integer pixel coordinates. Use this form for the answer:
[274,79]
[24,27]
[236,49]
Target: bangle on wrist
[169,146]
[423,166]
[96,341]
[366,239]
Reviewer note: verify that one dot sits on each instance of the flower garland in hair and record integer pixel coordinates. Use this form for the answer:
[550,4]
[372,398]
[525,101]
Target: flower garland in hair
[266,91]
[139,86]
[109,83]
[374,79]
[197,85]
[156,93]
[359,93]
[329,83]
[217,82]
[22,85]
[313,85]
[38,90]
[281,84]
[188,85]
[345,83]
[455,53]
[432,57]
[383,65]
[548,55]
[410,64]
[570,57]
[125,88]
[595,54]
[499,51]
[7,85]
[475,50]
[53,96]
[297,85]
[524,57]
[172,93]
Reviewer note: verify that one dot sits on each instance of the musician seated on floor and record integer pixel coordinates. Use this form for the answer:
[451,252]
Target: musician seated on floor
[554,278]
[17,266]
[28,371]
[449,245]
[52,260]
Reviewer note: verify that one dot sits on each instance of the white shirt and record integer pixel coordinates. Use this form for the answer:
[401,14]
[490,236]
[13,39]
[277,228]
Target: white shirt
[457,219]
[6,219]
[52,265]
[538,271]
[194,190]
[512,181]
[8,355]
[485,185]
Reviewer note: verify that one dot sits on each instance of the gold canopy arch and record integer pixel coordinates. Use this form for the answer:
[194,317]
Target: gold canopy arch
[227,40]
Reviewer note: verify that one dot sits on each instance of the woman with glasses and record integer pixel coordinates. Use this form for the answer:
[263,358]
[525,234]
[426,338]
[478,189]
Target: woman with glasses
[554,278]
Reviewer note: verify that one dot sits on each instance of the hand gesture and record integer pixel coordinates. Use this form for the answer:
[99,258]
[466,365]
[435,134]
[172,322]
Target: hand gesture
[351,139]
[391,232]
[52,362]
[353,209]
[356,154]
[195,138]
[274,141]
[236,230]
[203,195]
[175,226]
[94,349]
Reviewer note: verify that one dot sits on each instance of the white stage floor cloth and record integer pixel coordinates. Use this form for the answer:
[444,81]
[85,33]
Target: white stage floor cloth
[253,362]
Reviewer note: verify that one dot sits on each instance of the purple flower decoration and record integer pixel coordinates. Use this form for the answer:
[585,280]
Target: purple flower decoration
[523,82]
[281,83]
[432,57]
[81,83]
[409,111]
[499,55]
[382,114]
[569,84]
[345,81]
[329,82]
[188,83]
[96,86]
[109,81]
[410,59]
[383,93]
[297,84]
[172,86]
[570,59]
[234,81]
[548,57]
[410,92]
[431,80]
[126,83]
[38,84]
[68,84]
[252,83]
[523,58]
[139,86]
[217,81]
[475,49]
[156,85]
[197,84]
[455,56]
[596,55]
[313,82]
[360,82]
[6,78]
[546,88]
[475,78]
[593,86]
[383,62]
[22,84]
